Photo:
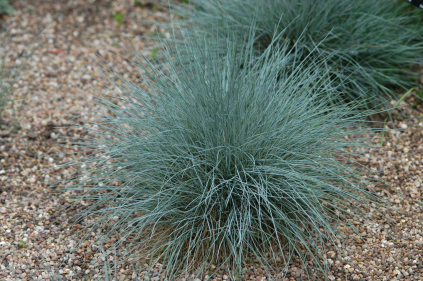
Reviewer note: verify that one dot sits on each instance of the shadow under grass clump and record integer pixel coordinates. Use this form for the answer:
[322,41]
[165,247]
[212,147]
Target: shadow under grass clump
[369,46]
[209,163]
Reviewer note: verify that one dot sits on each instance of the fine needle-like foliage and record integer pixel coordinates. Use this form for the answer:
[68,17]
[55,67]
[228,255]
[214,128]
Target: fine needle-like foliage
[378,44]
[213,163]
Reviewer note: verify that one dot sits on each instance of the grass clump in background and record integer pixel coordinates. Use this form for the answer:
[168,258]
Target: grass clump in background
[213,163]
[378,44]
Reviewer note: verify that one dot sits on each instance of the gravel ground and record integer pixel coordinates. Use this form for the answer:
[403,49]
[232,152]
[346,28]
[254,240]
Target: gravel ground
[36,237]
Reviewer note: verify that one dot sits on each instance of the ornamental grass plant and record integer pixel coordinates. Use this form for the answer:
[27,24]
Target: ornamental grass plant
[212,163]
[378,45]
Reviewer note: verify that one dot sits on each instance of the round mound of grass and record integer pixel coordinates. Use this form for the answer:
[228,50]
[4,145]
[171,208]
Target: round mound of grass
[370,47]
[210,163]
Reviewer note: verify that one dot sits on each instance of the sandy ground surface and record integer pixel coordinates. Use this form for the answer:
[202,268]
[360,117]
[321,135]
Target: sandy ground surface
[36,240]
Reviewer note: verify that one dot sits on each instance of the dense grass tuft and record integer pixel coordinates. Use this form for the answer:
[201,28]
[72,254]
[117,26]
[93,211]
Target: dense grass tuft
[213,163]
[378,43]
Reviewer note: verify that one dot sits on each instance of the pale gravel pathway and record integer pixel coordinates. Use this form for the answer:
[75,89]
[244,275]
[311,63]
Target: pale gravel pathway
[34,242]
[32,245]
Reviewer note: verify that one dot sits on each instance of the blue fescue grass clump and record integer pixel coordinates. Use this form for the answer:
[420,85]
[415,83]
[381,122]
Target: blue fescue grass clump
[378,44]
[212,163]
